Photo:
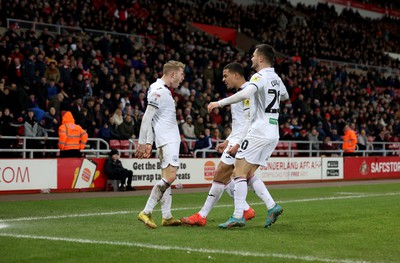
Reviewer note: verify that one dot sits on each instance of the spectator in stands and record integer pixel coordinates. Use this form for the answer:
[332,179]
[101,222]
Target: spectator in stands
[125,129]
[379,142]
[118,117]
[295,127]
[349,141]
[199,126]
[303,145]
[313,139]
[328,149]
[204,141]
[287,133]
[51,123]
[114,170]
[105,132]
[113,129]
[32,128]
[29,67]
[51,89]
[216,116]
[72,138]
[52,72]
[188,128]
[362,140]
[7,129]
[335,136]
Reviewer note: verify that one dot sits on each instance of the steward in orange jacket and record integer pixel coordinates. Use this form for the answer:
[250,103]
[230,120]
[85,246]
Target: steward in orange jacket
[349,141]
[72,138]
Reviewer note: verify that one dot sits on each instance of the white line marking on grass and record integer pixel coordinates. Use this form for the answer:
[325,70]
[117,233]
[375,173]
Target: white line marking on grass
[3,225]
[348,193]
[190,208]
[187,249]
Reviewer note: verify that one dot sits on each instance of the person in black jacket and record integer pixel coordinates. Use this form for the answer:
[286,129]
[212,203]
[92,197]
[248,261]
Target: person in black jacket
[114,170]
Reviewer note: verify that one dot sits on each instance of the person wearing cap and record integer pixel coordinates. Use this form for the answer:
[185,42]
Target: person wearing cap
[72,138]
[114,170]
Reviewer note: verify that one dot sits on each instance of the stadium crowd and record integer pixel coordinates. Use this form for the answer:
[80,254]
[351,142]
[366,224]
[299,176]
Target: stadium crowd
[103,80]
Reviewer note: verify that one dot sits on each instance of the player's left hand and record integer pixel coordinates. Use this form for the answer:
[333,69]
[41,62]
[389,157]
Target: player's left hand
[212,105]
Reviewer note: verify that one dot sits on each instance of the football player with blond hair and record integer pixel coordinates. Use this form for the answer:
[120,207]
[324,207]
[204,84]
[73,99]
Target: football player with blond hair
[160,116]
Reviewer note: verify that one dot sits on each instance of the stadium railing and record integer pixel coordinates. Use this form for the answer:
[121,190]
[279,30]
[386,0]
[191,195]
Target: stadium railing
[97,147]
[358,67]
[58,29]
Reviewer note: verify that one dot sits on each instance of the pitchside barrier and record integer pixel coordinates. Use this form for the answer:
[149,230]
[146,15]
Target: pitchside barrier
[83,174]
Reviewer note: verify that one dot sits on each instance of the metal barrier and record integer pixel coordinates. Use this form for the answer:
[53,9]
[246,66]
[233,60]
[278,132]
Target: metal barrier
[359,67]
[53,28]
[21,146]
[283,149]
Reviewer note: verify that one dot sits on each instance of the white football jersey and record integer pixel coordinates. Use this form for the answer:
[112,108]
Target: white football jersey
[164,121]
[240,119]
[264,104]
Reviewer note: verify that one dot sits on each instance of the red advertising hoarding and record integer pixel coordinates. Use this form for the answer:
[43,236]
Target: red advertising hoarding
[371,168]
[77,173]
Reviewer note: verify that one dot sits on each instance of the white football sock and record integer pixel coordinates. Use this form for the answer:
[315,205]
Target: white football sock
[166,202]
[215,193]
[230,189]
[261,190]
[155,195]
[240,196]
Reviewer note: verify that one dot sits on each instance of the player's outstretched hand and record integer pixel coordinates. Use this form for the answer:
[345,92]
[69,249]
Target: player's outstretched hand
[212,105]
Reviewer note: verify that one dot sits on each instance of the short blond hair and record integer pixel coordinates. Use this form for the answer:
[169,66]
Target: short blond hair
[172,65]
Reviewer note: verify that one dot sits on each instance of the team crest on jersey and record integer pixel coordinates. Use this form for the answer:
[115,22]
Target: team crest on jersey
[156,96]
[246,102]
[255,78]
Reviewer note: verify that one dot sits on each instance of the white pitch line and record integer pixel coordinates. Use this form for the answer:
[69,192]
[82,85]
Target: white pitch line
[190,208]
[185,249]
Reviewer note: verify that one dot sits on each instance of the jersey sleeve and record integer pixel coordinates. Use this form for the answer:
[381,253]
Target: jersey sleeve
[284,93]
[239,96]
[146,132]
[154,98]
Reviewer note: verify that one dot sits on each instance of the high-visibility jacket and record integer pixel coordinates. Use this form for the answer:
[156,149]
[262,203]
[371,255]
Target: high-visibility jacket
[349,141]
[71,135]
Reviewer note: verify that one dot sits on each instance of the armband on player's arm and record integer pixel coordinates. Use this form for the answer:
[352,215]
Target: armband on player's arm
[239,96]
[146,132]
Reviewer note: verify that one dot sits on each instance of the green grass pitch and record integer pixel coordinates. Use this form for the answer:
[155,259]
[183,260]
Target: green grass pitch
[358,223]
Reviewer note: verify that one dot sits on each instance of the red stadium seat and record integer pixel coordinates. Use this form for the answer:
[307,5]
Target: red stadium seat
[115,144]
[124,146]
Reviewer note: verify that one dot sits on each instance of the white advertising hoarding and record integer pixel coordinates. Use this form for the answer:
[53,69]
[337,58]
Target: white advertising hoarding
[332,168]
[191,171]
[146,172]
[290,169]
[28,174]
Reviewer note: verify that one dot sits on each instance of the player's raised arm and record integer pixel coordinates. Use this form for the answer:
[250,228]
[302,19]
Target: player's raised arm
[240,96]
